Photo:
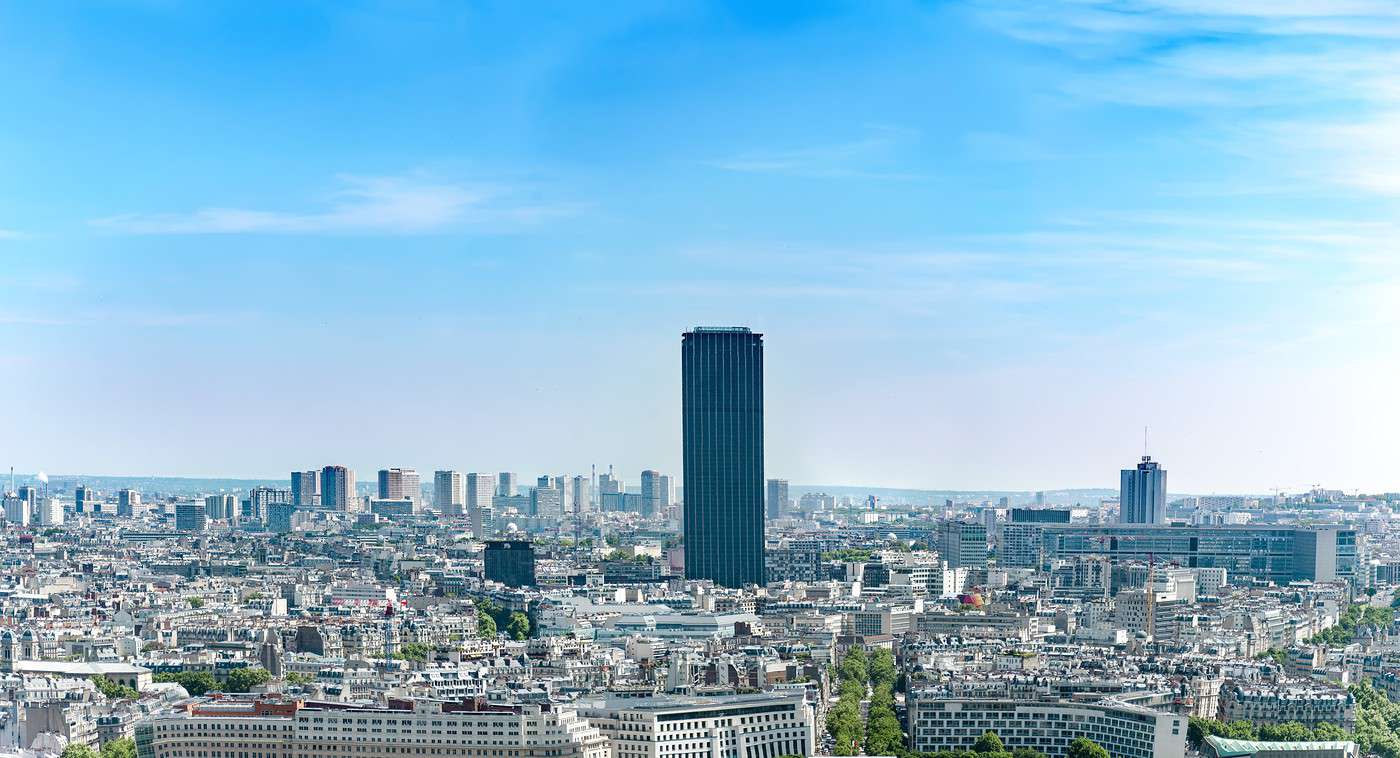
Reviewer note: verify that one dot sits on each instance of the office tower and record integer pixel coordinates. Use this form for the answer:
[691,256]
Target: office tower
[1040,515]
[582,495]
[260,498]
[28,494]
[1143,496]
[306,489]
[220,507]
[505,484]
[963,544]
[651,492]
[48,511]
[128,503]
[1039,499]
[778,503]
[280,516]
[191,517]
[480,501]
[338,489]
[609,484]
[82,498]
[510,562]
[722,436]
[449,492]
[668,491]
[17,510]
[399,483]
[547,498]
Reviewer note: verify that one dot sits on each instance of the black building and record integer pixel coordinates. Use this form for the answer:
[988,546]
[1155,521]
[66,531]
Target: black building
[511,562]
[1040,516]
[722,431]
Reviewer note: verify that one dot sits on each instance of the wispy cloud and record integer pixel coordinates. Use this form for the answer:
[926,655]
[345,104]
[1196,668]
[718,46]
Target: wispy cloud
[870,157]
[363,205]
[1304,89]
[11,234]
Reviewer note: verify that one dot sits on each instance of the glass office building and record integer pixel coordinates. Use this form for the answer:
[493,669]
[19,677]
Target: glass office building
[722,433]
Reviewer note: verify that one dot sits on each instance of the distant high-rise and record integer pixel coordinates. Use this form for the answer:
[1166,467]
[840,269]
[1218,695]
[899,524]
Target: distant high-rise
[306,489]
[506,484]
[481,489]
[668,491]
[651,492]
[83,498]
[582,495]
[722,436]
[399,483]
[778,503]
[1143,495]
[547,497]
[220,507]
[338,488]
[450,492]
[128,503]
[191,517]
[963,544]
[260,498]
[280,517]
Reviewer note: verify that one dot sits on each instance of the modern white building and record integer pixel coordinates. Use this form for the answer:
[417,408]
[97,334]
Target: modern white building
[734,726]
[276,727]
[1126,731]
[450,492]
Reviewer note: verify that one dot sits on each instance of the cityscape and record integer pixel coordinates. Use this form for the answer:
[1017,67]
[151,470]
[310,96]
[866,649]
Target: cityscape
[711,613]
[699,379]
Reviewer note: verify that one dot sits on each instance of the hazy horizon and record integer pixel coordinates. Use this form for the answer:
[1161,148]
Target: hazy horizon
[987,243]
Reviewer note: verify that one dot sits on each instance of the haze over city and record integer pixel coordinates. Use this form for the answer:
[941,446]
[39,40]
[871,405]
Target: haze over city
[987,242]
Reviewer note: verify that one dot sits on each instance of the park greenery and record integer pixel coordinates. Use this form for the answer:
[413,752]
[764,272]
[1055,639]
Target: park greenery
[1354,619]
[114,691]
[515,623]
[860,674]
[1377,729]
[122,747]
[202,682]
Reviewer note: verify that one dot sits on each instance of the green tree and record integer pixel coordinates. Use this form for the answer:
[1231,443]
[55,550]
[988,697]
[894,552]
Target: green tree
[485,625]
[245,679]
[413,651]
[989,742]
[1291,731]
[1026,752]
[519,626]
[854,665]
[882,669]
[78,750]
[1083,747]
[196,602]
[114,691]
[195,682]
[1330,733]
[123,747]
[300,680]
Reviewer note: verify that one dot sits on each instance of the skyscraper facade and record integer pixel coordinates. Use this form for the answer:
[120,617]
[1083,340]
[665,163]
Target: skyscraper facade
[481,489]
[337,488]
[398,484]
[778,504]
[1143,494]
[722,436]
[506,484]
[651,492]
[450,492]
[305,489]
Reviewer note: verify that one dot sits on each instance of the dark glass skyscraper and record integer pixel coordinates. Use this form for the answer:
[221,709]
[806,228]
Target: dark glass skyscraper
[722,430]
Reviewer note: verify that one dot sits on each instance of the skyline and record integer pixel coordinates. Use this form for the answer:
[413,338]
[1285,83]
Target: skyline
[986,242]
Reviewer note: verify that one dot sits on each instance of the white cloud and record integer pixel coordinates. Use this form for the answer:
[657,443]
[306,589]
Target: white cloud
[365,205]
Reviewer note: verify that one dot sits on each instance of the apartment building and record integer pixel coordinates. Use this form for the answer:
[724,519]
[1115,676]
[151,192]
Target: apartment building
[1126,731]
[735,726]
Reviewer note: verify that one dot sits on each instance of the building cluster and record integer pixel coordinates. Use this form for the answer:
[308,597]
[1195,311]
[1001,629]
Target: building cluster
[464,614]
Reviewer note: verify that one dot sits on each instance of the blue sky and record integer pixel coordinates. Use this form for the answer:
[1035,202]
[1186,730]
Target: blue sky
[987,242]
